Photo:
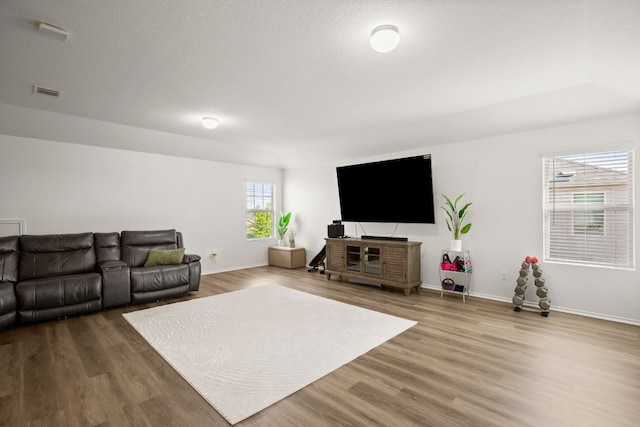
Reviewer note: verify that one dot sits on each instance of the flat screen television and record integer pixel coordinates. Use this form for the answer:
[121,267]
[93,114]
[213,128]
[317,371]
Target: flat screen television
[398,191]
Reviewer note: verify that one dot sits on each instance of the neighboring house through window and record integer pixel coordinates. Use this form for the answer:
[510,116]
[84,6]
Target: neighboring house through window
[259,221]
[588,217]
[589,208]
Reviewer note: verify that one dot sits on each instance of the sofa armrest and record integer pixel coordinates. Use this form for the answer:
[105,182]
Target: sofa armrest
[189,258]
[111,265]
[116,283]
[194,270]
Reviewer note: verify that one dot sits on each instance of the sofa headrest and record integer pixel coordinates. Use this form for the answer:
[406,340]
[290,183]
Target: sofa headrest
[9,258]
[56,242]
[135,245]
[147,238]
[56,255]
[9,244]
[107,246]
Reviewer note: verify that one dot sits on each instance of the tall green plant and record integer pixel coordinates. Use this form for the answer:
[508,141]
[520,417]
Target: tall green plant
[456,216]
[283,224]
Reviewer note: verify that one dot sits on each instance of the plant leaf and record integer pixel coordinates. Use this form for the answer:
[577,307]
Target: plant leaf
[447,212]
[458,198]
[448,202]
[463,211]
[465,229]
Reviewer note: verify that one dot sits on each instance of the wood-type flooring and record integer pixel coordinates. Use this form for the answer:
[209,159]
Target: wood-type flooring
[477,363]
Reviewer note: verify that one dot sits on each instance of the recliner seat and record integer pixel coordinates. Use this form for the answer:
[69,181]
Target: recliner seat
[149,283]
[57,277]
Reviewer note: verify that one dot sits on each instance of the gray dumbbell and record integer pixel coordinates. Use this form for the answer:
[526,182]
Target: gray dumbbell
[544,303]
[542,291]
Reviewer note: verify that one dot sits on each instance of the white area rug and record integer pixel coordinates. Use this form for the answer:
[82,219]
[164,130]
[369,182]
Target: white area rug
[245,350]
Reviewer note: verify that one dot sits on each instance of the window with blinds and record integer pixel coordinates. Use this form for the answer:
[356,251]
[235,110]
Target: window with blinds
[589,208]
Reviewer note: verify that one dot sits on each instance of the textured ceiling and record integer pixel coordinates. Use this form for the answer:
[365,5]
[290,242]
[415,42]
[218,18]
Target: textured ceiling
[295,81]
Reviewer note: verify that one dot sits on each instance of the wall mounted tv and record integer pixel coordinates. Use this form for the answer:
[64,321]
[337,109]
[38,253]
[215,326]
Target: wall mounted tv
[398,191]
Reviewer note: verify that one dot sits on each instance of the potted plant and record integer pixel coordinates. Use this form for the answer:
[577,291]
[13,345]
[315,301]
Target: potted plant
[283,225]
[292,237]
[455,220]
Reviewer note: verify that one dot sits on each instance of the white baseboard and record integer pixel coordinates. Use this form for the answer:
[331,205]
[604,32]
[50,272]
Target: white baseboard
[533,304]
[222,270]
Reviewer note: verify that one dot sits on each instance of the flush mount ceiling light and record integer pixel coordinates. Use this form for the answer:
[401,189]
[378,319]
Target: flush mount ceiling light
[384,38]
[41,90]
[210,122]
[52,29]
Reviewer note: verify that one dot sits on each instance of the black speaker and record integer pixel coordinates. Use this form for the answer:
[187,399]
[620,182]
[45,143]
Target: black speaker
[335,230]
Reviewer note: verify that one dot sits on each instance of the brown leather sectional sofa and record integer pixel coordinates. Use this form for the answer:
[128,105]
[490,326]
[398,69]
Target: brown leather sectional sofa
[52,276]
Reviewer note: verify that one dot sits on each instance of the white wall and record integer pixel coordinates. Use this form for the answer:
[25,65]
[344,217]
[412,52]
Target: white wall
[66,188]
[502,176]
[60,187]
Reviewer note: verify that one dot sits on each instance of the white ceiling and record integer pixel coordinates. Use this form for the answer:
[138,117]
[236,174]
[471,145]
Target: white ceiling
[295,81]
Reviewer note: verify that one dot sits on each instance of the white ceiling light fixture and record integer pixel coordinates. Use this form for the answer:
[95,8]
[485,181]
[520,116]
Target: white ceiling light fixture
[210,122]
[384,38]
[60,32]
[41,90]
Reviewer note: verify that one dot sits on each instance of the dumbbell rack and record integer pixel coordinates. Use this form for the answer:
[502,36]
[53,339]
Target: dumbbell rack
[521,286]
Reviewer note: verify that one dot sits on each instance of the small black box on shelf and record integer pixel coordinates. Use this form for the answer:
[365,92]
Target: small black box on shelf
[335,230]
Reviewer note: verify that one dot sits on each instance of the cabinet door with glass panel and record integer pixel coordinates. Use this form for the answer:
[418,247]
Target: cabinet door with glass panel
[372,260]
[363,259]
[352,259]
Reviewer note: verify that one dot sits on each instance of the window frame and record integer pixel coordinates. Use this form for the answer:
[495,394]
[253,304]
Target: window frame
[253,210]
[609,171]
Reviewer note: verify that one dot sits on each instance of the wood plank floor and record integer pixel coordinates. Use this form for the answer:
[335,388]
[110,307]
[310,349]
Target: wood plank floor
[476,364]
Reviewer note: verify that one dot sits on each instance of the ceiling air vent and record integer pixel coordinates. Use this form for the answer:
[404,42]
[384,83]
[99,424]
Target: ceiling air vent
[40,90]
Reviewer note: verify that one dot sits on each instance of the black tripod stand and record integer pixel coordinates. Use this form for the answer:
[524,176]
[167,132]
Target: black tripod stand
[318,261]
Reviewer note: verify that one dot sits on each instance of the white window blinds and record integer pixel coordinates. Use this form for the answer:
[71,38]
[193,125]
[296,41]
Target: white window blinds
[588,208]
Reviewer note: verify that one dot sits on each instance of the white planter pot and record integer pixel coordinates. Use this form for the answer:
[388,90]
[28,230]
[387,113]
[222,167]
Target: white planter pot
[456,245]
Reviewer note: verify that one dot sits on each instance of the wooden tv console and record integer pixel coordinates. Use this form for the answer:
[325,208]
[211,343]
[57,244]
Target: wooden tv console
[387,262]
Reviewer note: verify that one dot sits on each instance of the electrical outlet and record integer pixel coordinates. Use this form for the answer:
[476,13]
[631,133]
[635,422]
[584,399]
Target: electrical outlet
[504,275]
